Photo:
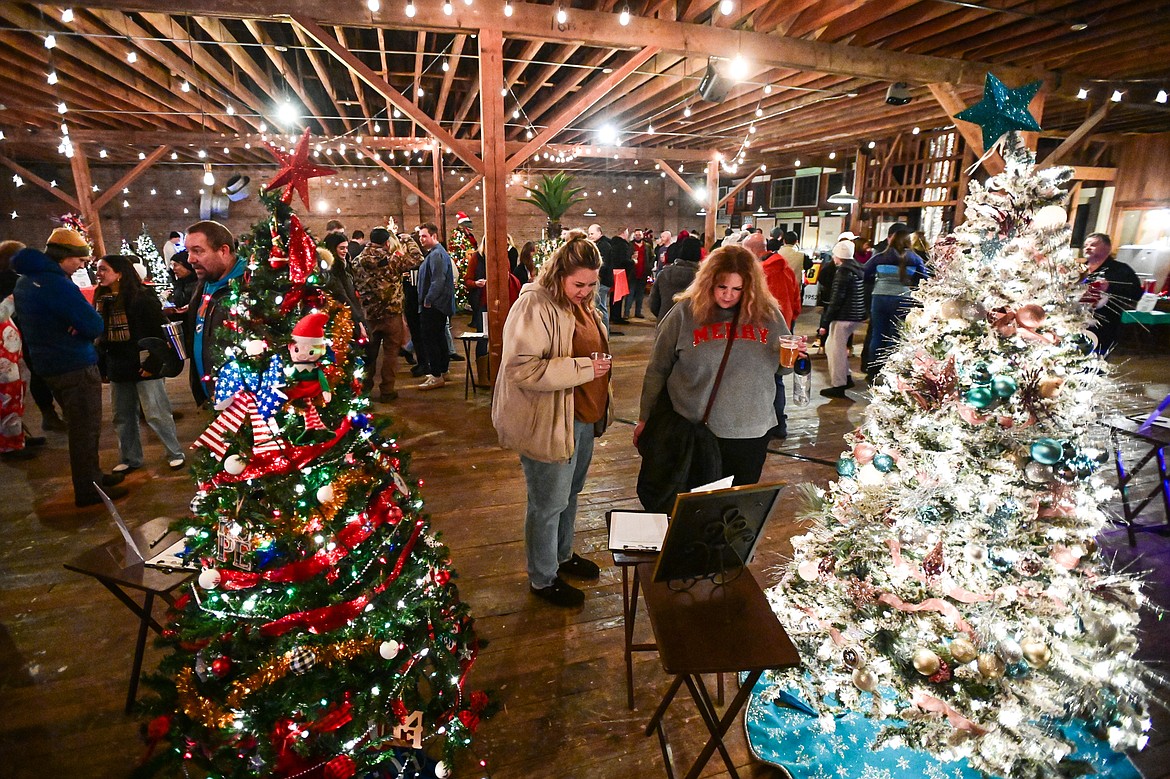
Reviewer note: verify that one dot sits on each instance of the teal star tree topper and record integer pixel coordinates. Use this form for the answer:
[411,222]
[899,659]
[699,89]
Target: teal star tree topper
[1002,110]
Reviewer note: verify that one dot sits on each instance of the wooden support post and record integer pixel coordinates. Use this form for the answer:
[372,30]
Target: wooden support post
[494,247]
[859,170]
[712,202]
[437,172]
[964,179]
[130,177]
[84,184]
[1036,109]
[28,175]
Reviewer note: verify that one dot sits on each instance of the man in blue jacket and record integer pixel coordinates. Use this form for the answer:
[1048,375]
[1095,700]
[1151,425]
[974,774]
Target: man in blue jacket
[59,327]
[436,302]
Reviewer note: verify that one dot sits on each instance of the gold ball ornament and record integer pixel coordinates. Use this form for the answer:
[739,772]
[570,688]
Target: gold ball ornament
[864,679]
[990,666]
[952,309]
[963,651]
[1036,652]
[1049,386]
[925,662]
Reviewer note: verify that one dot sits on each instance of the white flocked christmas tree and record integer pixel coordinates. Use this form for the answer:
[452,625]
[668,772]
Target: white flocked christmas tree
[950,576]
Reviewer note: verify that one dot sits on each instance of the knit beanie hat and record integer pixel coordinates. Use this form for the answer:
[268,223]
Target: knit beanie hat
[843,249]
[69,242]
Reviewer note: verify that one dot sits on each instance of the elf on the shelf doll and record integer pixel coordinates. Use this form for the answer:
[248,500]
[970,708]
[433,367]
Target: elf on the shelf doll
[305,379]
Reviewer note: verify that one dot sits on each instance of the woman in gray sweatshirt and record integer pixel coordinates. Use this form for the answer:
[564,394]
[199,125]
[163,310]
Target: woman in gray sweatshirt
[729,298]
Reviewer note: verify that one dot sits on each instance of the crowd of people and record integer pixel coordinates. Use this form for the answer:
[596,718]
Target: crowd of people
[719,320]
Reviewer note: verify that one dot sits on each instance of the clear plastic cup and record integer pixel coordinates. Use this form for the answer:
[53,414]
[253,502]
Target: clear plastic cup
[790,346]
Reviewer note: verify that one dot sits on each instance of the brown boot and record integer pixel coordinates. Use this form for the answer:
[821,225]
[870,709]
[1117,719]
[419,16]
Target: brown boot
[483,371]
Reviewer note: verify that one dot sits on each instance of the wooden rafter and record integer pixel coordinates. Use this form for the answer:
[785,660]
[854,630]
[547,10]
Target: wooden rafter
[453,65]
[380,85]
[33,178]
[739,187]
[130,177]
[403,180]
[574,109]
[354,82]
[286,73]
[1076,136]
[318,66]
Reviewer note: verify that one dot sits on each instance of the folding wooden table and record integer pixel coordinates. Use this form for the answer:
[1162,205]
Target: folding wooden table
[712,629]
[105,563]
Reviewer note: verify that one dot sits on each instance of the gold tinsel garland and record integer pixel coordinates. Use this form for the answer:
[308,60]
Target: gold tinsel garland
[212,715]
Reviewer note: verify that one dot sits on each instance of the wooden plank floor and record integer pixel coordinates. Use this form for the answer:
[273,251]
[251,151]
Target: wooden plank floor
[65,643]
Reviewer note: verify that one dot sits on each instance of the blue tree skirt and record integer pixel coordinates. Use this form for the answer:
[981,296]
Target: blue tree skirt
[793,740]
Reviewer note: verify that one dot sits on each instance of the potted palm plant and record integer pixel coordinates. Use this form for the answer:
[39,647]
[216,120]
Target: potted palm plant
[554,195]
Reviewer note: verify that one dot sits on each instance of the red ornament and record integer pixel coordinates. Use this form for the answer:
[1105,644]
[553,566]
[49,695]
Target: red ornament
[221,666]
[296,171]
[340,767]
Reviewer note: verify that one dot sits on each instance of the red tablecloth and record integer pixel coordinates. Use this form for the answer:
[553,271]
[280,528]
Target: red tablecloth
[621,287]
[88,293]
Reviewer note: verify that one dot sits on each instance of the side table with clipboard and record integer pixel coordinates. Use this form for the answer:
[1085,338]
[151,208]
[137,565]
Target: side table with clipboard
[146,559]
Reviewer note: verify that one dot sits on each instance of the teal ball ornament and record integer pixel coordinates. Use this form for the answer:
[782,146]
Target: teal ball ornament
[884,463]
[981,374]
[1003,386]
[846,466]
[979,397]
[1047,451]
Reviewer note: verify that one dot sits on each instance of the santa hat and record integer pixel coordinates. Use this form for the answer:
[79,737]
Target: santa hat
[462,218]
[311,329]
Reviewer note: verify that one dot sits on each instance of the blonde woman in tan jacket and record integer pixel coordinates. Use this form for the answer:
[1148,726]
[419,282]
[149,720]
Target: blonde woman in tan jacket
[552,394]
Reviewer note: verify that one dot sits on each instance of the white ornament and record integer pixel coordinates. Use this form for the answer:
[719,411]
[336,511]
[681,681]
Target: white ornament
[254,347]
[808,570]
[389,649]
[235,465]
[325,494]
[441,770]
[1049,217]
[209,578]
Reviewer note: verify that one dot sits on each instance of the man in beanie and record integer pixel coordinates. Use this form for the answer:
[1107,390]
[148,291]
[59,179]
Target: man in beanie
[60,327]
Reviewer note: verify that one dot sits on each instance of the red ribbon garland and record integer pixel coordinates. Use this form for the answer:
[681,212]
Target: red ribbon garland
[279,463]
[329,618]
[348,538]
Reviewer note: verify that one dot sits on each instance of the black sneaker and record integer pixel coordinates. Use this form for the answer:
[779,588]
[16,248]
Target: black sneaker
[835,392]
[579,568]
[455,357]
[418,370]
[560,594]
[112,479]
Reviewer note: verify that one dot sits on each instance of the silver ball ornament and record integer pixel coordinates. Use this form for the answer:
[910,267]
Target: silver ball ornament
[1009,651]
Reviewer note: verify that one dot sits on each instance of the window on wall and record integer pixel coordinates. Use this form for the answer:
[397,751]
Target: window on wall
[941,151]
[805,191]
[782,193]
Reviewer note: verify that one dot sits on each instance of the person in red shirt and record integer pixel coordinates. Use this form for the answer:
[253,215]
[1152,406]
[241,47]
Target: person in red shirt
[643,256]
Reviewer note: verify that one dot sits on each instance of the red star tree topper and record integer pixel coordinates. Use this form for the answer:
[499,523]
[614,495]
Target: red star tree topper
[296,171]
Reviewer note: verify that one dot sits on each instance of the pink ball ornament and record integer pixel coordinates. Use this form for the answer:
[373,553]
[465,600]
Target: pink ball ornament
[863,452]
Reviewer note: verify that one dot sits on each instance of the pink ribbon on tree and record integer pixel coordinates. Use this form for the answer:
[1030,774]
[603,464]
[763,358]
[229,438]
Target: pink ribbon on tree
[933,705]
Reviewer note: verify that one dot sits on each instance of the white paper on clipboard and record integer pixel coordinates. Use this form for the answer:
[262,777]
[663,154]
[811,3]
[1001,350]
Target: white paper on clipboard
[636,531]
[171,557]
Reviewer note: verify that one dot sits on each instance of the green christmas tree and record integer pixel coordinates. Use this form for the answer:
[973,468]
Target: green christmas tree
[950,577]
[461,246]
[324,636]
[160,272]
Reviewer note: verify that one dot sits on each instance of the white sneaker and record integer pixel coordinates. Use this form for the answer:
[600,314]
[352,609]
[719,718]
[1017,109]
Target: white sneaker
[432,382]
[177,463]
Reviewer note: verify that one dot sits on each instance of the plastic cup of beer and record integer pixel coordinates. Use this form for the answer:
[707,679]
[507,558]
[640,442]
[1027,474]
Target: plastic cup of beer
[790,346]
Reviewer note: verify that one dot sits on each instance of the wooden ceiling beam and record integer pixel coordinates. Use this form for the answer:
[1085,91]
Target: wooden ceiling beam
[74,90]
[1074,139]
[323,75]
[403,180]
[471,182]
[948,97]
[419,50]
[531,21]
[33,178]
[148,41]
[378,84]
[385,74]
[570,112]
[286,73]
[143,81]
[130,177]
[572,78]
[820,15]
[453,65]
[537,81]
[358,90]
[683,184]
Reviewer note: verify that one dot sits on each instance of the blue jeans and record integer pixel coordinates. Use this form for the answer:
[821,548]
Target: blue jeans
[552,507]
[887,312]
[603,304]
[633,301]
[778,404]
[156,407]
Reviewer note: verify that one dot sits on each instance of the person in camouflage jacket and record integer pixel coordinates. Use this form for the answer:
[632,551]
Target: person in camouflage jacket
[377,275]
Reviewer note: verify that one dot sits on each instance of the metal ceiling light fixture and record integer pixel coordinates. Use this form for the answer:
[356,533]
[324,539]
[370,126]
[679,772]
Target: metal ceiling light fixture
[844,197]
[590,212]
